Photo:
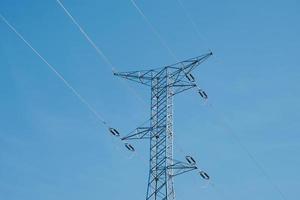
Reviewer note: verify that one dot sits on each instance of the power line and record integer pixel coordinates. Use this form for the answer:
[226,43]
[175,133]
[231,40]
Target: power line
[258,165]
[67,84]
[53,69]
[160,38]
[154,30]
[243,147]
[98,50]
[96,47]
[193,23]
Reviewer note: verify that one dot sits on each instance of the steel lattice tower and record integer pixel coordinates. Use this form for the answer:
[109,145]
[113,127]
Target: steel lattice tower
[165,83]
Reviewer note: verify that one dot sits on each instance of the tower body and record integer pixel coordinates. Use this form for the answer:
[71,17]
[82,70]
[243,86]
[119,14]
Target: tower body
[160,182]
[165,83]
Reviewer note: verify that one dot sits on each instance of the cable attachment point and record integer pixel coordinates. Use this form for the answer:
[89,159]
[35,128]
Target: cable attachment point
[190,160]
[190,77]
[202,94]
[129,147]
[204,175]
[114,132]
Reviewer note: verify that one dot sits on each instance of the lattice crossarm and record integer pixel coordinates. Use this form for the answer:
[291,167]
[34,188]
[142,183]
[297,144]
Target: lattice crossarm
[139,133]
[143,77]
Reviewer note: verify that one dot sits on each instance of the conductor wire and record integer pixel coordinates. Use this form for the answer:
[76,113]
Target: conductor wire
[243,147]
[67,84]
[153,29]
[193,23]
[98,50]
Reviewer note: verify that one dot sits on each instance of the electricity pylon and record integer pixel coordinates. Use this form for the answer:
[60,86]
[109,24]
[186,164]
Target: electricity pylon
[165,83]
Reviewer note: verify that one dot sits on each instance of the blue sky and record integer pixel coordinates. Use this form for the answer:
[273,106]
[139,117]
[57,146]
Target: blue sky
[52,147]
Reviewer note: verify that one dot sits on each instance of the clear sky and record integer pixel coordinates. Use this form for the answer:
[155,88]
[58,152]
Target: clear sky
[52,146]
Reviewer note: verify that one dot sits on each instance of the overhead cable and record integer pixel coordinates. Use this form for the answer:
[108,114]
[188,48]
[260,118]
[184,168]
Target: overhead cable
[54,70]
[97,48]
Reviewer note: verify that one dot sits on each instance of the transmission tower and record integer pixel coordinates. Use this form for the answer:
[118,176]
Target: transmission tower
[165,83]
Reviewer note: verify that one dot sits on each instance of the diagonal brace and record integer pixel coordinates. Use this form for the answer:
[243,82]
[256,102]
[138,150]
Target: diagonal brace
[139,133]
[180,167]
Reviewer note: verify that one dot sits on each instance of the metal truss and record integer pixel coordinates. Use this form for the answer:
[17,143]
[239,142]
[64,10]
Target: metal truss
[164,82]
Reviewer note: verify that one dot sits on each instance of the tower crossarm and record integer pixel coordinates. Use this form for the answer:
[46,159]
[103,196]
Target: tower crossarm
[182,86]
[180,167]
[187,66]
[182,73]
[139,133]
[143,77]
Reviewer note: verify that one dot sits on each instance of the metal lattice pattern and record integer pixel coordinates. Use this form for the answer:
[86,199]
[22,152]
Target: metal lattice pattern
[165,83]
